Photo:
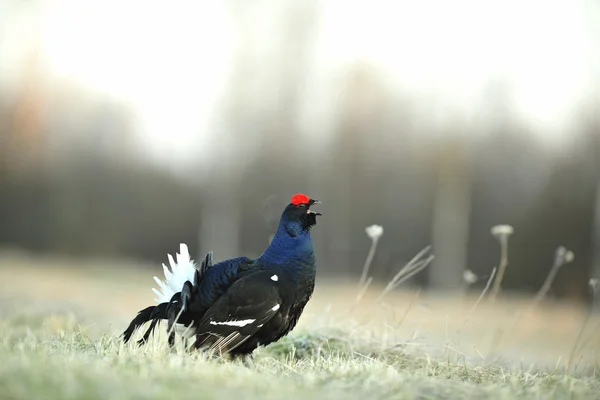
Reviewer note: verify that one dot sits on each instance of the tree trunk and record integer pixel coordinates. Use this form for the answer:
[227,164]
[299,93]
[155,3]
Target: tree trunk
[450,226]
[595,273]
[220,223]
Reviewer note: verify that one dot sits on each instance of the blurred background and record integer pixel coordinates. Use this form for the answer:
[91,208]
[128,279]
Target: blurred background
[127,127]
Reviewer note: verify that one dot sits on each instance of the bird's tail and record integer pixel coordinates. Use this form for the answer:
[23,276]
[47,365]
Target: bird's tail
[176,308]
[182,270]
[152,313]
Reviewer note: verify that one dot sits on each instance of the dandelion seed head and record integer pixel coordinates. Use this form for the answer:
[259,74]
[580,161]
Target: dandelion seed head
[564,256]
[569,256]
[502,230]
[374,231]
[469,276]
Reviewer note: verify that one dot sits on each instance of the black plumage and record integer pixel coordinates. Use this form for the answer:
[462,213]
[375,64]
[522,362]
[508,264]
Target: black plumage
[237,305]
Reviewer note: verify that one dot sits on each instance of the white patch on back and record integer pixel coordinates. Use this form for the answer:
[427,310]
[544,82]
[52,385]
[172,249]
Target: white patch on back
[275,308]
[275,278]
[240,323]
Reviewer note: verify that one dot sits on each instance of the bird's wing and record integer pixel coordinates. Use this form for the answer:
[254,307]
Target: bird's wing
[237,315]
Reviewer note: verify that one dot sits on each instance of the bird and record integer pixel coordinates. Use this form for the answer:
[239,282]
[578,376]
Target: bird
[234,306]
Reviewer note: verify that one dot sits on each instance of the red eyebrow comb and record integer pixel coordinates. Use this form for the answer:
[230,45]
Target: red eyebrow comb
[299,198]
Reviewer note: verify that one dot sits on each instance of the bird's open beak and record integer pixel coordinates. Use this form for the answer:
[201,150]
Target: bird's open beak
[310,203]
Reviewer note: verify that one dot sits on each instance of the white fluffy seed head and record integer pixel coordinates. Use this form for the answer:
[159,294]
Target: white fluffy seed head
[569,256]
[374,231]
[564,256]
[502,231]
[469,277]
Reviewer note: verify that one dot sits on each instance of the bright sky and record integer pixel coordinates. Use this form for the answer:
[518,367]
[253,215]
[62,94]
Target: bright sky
[545,48]
[171,63]
[168,64]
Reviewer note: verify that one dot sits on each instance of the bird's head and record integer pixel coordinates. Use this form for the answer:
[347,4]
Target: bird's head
[298,216]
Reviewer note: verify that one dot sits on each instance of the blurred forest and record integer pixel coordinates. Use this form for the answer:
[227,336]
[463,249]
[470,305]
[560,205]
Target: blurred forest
[76,179]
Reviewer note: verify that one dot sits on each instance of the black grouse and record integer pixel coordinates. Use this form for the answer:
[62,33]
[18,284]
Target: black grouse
[236,305]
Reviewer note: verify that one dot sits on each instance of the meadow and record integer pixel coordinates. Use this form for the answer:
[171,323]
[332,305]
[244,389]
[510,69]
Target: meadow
[60,319]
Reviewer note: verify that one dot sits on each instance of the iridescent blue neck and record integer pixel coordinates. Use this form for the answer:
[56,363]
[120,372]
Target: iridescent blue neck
[290,251]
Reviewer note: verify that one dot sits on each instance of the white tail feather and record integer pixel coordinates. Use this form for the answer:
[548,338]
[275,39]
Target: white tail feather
[181,271]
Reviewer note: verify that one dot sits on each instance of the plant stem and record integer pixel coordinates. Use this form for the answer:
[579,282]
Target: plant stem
[368,261]
[501,268]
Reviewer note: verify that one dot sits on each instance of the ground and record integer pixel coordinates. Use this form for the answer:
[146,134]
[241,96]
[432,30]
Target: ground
[60,321]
